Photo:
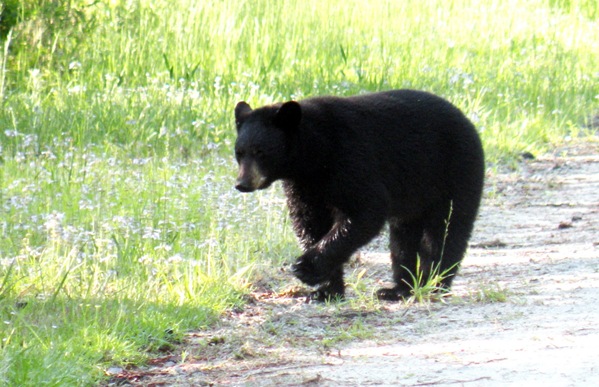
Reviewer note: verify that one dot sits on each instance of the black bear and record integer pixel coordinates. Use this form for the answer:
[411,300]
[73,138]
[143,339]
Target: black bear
[349,165]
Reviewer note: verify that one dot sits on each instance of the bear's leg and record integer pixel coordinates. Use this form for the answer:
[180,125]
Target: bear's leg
[310,217]
[458,231]
[322,264]
[312,220]
[446,233]
[330,235]
[404,244]
[434,240]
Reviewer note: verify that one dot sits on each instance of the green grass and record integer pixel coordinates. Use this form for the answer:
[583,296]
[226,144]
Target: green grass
[426,287]
[490,293]
[106,260]
[119,227]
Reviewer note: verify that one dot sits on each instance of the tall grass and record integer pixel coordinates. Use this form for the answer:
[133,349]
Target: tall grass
[105,259]
[119,228]
[526,72]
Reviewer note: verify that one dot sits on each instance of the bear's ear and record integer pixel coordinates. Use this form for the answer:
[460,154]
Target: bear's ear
[242,110]
[288,116]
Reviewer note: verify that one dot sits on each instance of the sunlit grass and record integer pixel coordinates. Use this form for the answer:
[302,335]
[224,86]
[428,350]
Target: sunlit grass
[119,226]
[527,78]
[107,259]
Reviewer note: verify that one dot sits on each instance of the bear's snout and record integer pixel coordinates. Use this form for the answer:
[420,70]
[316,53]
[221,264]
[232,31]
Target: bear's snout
[243,187]
[250,178]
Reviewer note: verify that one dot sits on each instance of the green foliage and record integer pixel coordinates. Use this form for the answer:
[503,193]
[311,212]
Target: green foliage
[586,8]
[490,293]
[427,283]
[526,78]
[119,228]
[346,329]
[107,259]
[45,32]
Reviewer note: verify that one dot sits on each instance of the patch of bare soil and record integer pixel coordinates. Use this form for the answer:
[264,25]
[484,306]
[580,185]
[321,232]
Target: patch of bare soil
[524,308]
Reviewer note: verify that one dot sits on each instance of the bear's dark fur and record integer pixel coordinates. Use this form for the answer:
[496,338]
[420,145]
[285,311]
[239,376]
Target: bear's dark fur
[349,165]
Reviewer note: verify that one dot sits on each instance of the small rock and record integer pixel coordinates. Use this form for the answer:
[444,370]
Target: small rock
[495,243]
[564,225]
[527,156]
[114,370]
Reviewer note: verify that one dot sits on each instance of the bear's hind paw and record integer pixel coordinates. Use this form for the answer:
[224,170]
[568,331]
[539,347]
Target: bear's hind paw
[393,294]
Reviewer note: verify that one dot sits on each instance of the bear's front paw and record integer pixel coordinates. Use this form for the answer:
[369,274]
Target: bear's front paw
[322,295]
[307,269]
[329,292]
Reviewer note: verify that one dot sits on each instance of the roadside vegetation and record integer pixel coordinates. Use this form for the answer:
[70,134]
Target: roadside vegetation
[120,229]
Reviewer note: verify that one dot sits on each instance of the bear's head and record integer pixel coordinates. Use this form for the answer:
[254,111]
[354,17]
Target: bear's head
[264,138]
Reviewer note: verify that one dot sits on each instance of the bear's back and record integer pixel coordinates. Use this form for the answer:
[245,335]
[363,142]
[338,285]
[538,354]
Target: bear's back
[415,144]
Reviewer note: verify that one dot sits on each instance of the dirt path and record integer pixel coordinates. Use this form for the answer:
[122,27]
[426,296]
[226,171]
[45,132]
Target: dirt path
[524,308]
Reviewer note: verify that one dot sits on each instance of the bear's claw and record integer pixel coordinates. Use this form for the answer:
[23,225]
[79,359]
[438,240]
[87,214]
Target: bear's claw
[324,295]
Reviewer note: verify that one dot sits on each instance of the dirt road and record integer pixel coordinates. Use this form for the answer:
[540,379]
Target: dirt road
[524,309]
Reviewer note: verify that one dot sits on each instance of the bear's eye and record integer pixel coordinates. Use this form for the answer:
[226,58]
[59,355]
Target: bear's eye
[258,153]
